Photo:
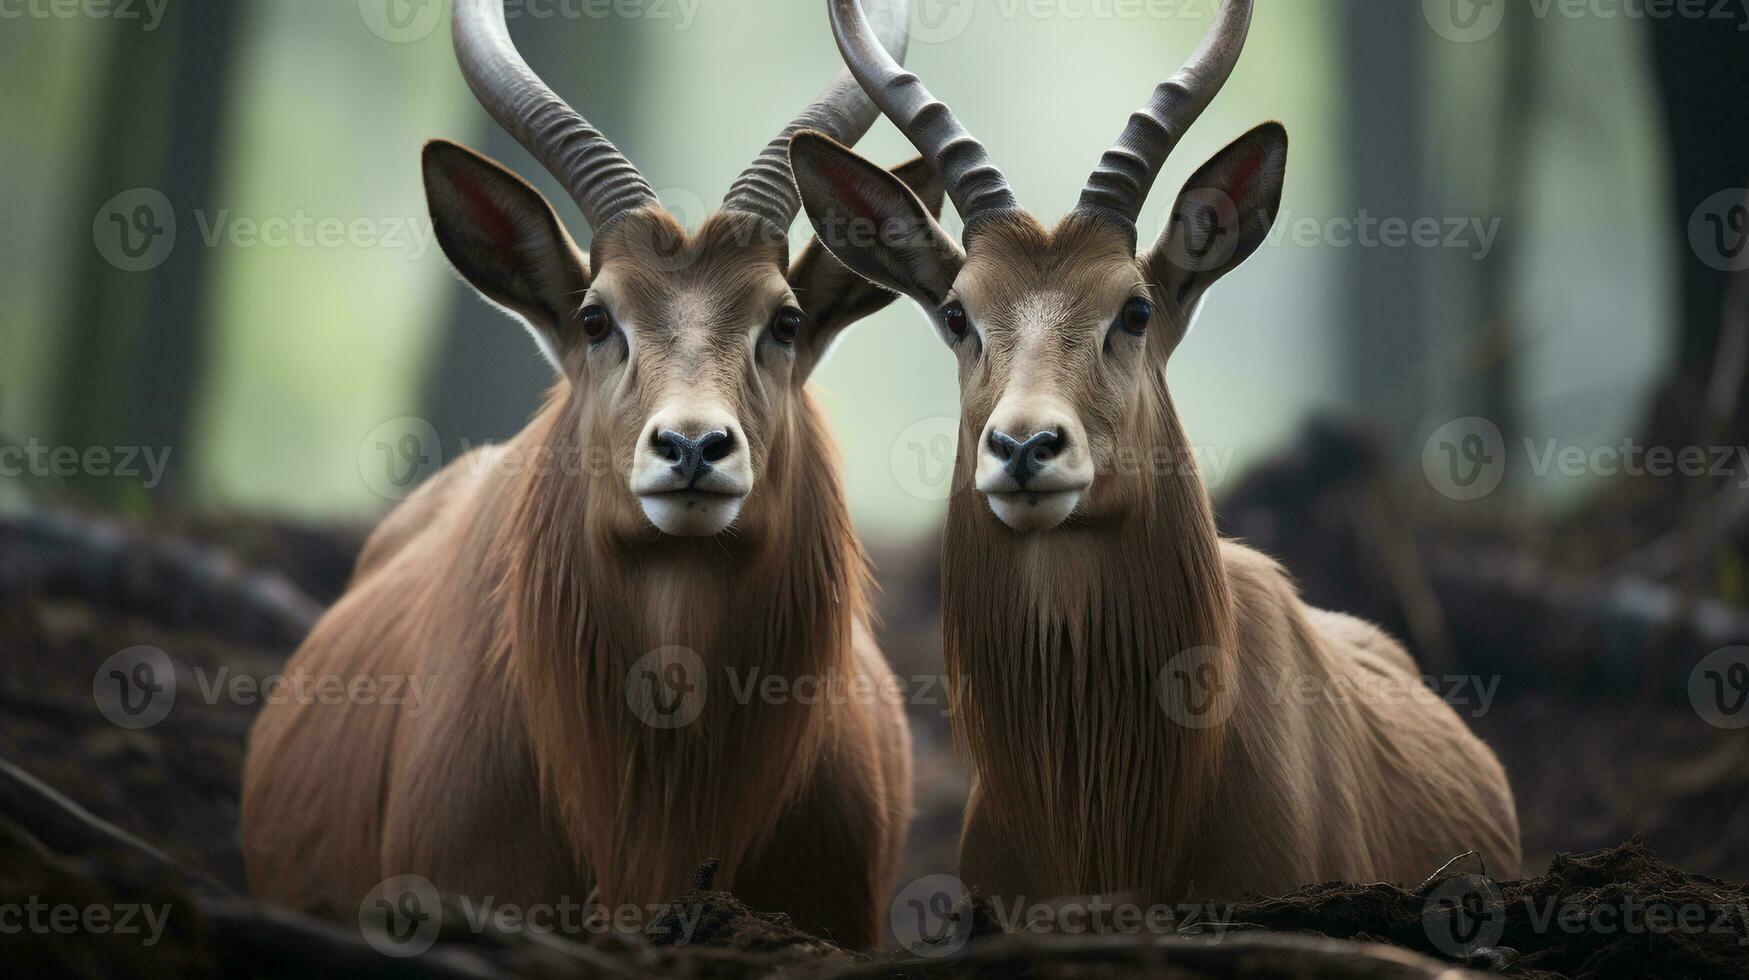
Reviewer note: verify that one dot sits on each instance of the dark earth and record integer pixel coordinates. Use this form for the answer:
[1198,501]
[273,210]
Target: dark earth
[1619,783]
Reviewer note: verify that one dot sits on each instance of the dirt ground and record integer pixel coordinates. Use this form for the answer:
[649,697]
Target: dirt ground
[1590,772]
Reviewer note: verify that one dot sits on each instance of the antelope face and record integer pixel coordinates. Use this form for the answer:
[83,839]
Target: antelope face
[1062,335]
[686,353]
[697,346]
[691,345]
[1047,363]
[683,354]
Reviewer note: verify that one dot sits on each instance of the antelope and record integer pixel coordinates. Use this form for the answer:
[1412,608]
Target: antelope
[673,506]
[1147,709]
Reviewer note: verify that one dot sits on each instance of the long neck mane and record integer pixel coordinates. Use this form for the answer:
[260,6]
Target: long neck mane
[1058,643]
[645,805]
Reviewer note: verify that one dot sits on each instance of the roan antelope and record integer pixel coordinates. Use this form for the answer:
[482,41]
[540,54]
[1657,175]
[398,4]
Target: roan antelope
[1148,708]
[678,489]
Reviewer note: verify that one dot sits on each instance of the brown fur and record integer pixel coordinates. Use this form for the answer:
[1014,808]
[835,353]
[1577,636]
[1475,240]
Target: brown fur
[1087,781]
[523,584]
[1095,626]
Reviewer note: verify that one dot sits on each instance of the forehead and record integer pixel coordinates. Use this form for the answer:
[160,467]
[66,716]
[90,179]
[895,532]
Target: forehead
[656,274]
[1019,273]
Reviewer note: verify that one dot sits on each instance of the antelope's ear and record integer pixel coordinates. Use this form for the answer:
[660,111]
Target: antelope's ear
[505,240]
[831,295]
[873,222]
[1222,216]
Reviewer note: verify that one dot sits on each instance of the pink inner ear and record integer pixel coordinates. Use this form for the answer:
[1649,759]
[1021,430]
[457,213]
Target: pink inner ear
[1244,173]
[845,187]
[487,216]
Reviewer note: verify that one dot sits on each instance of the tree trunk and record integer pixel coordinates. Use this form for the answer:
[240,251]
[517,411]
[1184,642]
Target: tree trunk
[136,331]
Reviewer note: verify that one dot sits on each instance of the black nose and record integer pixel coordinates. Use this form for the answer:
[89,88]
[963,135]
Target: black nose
[1024,460]
[692,458]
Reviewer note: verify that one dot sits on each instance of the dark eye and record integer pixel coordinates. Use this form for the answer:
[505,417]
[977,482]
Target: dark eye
[953,317]
[786,324]
[596,322]
[1136,315]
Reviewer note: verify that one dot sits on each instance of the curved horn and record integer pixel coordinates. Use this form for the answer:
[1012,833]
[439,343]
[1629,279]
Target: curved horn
[972,181]
[843,111]
[1126,173]
[597,175]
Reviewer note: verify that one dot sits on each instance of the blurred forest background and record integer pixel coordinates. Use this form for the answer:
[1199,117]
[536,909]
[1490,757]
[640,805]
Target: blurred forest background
[1511,227]
[1554,300]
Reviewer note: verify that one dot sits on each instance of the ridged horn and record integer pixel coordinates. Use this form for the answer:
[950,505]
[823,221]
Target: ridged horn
[972,181]
[1127,171]
[595,173]
[843,111]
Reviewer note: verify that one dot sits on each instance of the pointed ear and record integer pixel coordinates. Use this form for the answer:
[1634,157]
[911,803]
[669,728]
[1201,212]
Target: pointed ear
[505,240]
[831,295]
[873,222]
[1223,216]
